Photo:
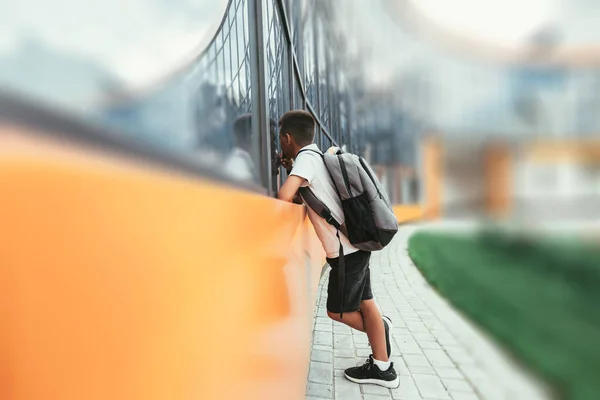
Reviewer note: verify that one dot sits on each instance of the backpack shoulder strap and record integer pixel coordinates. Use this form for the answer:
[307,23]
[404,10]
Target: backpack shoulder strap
[320,208]
[326,167]
[311,150]
[317,205]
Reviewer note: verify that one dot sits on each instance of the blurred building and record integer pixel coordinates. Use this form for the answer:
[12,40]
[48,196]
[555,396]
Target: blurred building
[488,133]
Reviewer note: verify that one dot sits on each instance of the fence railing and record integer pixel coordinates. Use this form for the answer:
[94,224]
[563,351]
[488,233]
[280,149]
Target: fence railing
[267,57]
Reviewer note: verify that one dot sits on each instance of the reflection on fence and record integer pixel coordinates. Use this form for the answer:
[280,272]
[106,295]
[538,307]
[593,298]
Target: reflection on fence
[267,57]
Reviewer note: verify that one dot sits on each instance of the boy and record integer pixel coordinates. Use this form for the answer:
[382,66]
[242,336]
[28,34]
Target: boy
[296,133]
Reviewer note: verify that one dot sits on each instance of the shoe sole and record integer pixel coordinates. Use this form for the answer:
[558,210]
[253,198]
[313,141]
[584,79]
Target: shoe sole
[390,327]
[387,384]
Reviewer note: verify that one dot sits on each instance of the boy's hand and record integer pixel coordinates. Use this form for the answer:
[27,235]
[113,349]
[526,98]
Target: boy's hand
[287,163]
[275,164]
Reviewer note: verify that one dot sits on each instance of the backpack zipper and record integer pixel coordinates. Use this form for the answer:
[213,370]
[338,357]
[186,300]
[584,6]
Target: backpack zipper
[362,162]
[345,175]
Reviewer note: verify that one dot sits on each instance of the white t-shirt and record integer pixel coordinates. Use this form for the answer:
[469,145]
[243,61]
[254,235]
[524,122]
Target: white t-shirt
[310,166]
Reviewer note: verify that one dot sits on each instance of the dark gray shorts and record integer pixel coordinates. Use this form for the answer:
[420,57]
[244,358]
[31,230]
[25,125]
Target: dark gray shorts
[358,282]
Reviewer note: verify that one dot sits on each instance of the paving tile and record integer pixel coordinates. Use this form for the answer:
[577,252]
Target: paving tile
[375,389]
[360,338]
[448,372]
[429,345]
[416,361]
[364,353]
[400,366]
[423,337]
[319,390]
[438,358]
[323,327]
[340,328]
[343,342]
[464,396]
[344,363]
[322,347]
[411,348]
[368,396]
[323,338]
[438,353]
[344,353]
[346,390]
[320,372]
[431,387]
[321,356]
[458,385]
[407,390]
[422,370]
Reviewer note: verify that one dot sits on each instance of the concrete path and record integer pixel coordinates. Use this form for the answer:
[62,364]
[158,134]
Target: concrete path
[438,353]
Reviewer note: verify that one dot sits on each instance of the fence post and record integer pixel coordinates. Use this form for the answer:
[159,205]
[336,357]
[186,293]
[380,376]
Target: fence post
[290,46]
[260,111]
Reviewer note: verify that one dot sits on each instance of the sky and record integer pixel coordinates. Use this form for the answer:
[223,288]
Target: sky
[390,48]
[506,21]
[143,40]
[378,32]
[138,40]
[512,21]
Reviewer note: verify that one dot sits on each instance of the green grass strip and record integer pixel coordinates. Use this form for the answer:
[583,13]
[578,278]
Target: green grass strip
[540,300]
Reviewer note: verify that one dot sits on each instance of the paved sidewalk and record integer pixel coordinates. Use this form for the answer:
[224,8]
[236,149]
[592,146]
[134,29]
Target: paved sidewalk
[438,353]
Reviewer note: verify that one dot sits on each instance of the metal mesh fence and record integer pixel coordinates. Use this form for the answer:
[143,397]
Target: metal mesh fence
[205,108]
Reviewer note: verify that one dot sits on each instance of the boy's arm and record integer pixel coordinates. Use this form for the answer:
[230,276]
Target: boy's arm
[298,199]
[290,188]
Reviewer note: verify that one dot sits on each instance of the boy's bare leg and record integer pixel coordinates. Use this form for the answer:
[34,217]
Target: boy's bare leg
[375,329]
[368,320]
[353,319]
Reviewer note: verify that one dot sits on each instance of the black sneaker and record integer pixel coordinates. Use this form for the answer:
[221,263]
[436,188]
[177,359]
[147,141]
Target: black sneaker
[370,373]
[387,323]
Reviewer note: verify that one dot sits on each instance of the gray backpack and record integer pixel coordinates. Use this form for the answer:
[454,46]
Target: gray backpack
[370,223]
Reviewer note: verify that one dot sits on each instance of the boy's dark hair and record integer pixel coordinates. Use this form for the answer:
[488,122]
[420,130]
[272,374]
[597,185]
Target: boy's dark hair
[300,124]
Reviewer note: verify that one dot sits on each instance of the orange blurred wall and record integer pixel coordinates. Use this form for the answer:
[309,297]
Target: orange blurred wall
[120,281]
